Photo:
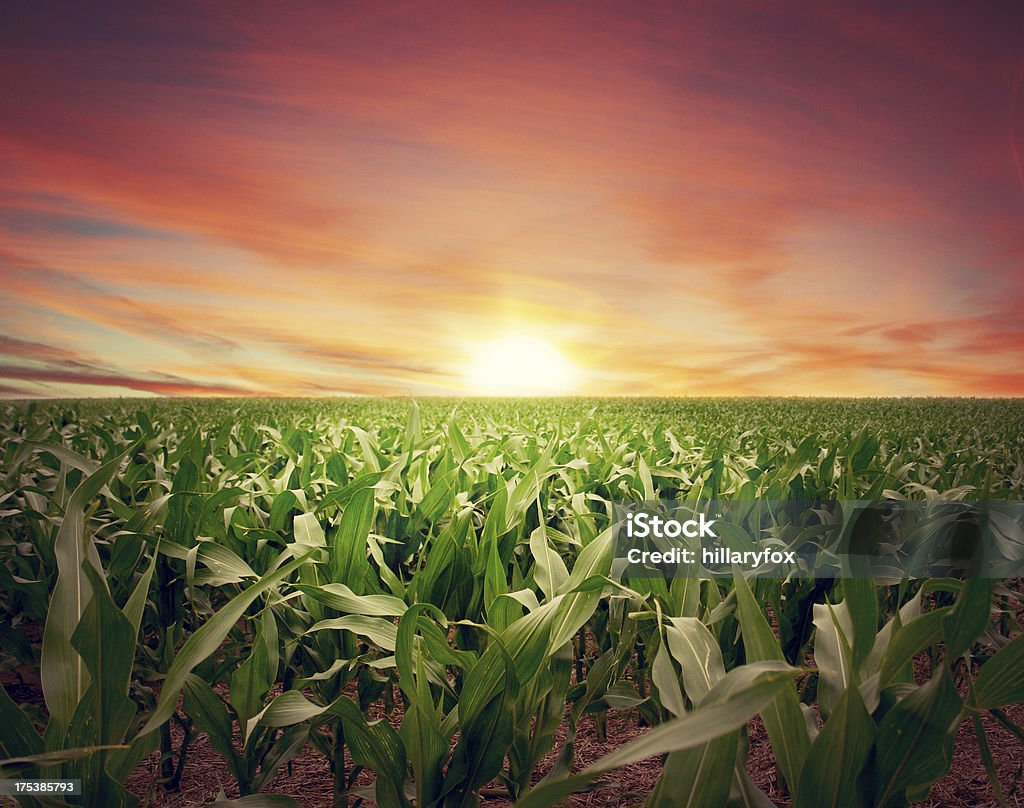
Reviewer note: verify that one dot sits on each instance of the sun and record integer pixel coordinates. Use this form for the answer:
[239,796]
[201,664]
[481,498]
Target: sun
[519,365]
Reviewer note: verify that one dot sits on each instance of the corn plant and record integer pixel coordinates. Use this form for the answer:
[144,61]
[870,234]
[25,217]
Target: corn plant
[273,573]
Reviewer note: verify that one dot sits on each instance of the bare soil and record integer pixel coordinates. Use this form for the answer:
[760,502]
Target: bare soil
[309,778]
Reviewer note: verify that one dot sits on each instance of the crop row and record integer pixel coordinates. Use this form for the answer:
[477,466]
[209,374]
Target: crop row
[275,575]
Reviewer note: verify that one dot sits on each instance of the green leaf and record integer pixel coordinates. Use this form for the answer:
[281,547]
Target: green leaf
[700,777]
[835,759]
[999,681]
[698,654]
[281,507]
[211,716]
[63,672]
[11,766]
[136,605]
[783,720]
[382,633]
[291,707]
[308,531]
[438,499]
[106,643]
[349,561]
[832,646]
[862,606]
[19,739]
[744,794]
[526,491]
[551,572]
[910,639]
[340,597]
[485,725]
[64,455]
[576,601]
[285,747]
[208,638]
[915,740]
[987,759]
[257,674]
[224,566]
[666,680]
[421,731]
[741,701]
[969,617]
[378,747]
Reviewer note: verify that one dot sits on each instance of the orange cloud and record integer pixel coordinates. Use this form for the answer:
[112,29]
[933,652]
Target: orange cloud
[728,198]
[163,387]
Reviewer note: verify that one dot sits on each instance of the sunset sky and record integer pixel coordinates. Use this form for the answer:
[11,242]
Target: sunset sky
[375,198]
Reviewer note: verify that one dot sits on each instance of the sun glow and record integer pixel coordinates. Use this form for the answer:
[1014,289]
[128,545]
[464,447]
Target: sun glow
[519,365]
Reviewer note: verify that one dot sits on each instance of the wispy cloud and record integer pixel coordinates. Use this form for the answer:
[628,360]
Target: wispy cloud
[159,386]
[690,198]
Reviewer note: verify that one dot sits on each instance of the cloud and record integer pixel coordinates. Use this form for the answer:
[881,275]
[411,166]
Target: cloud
[159,386]
[64,293]
[693,197]
[28,349]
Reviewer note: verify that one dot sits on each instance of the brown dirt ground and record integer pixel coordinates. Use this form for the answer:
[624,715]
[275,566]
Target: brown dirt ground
[309,778]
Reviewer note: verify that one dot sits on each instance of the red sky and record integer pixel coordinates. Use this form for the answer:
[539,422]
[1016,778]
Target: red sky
[683,199]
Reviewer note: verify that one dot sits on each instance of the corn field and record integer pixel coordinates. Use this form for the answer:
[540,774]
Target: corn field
[423,592]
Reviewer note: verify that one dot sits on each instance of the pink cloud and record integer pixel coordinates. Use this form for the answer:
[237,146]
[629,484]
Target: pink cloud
[357,191]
